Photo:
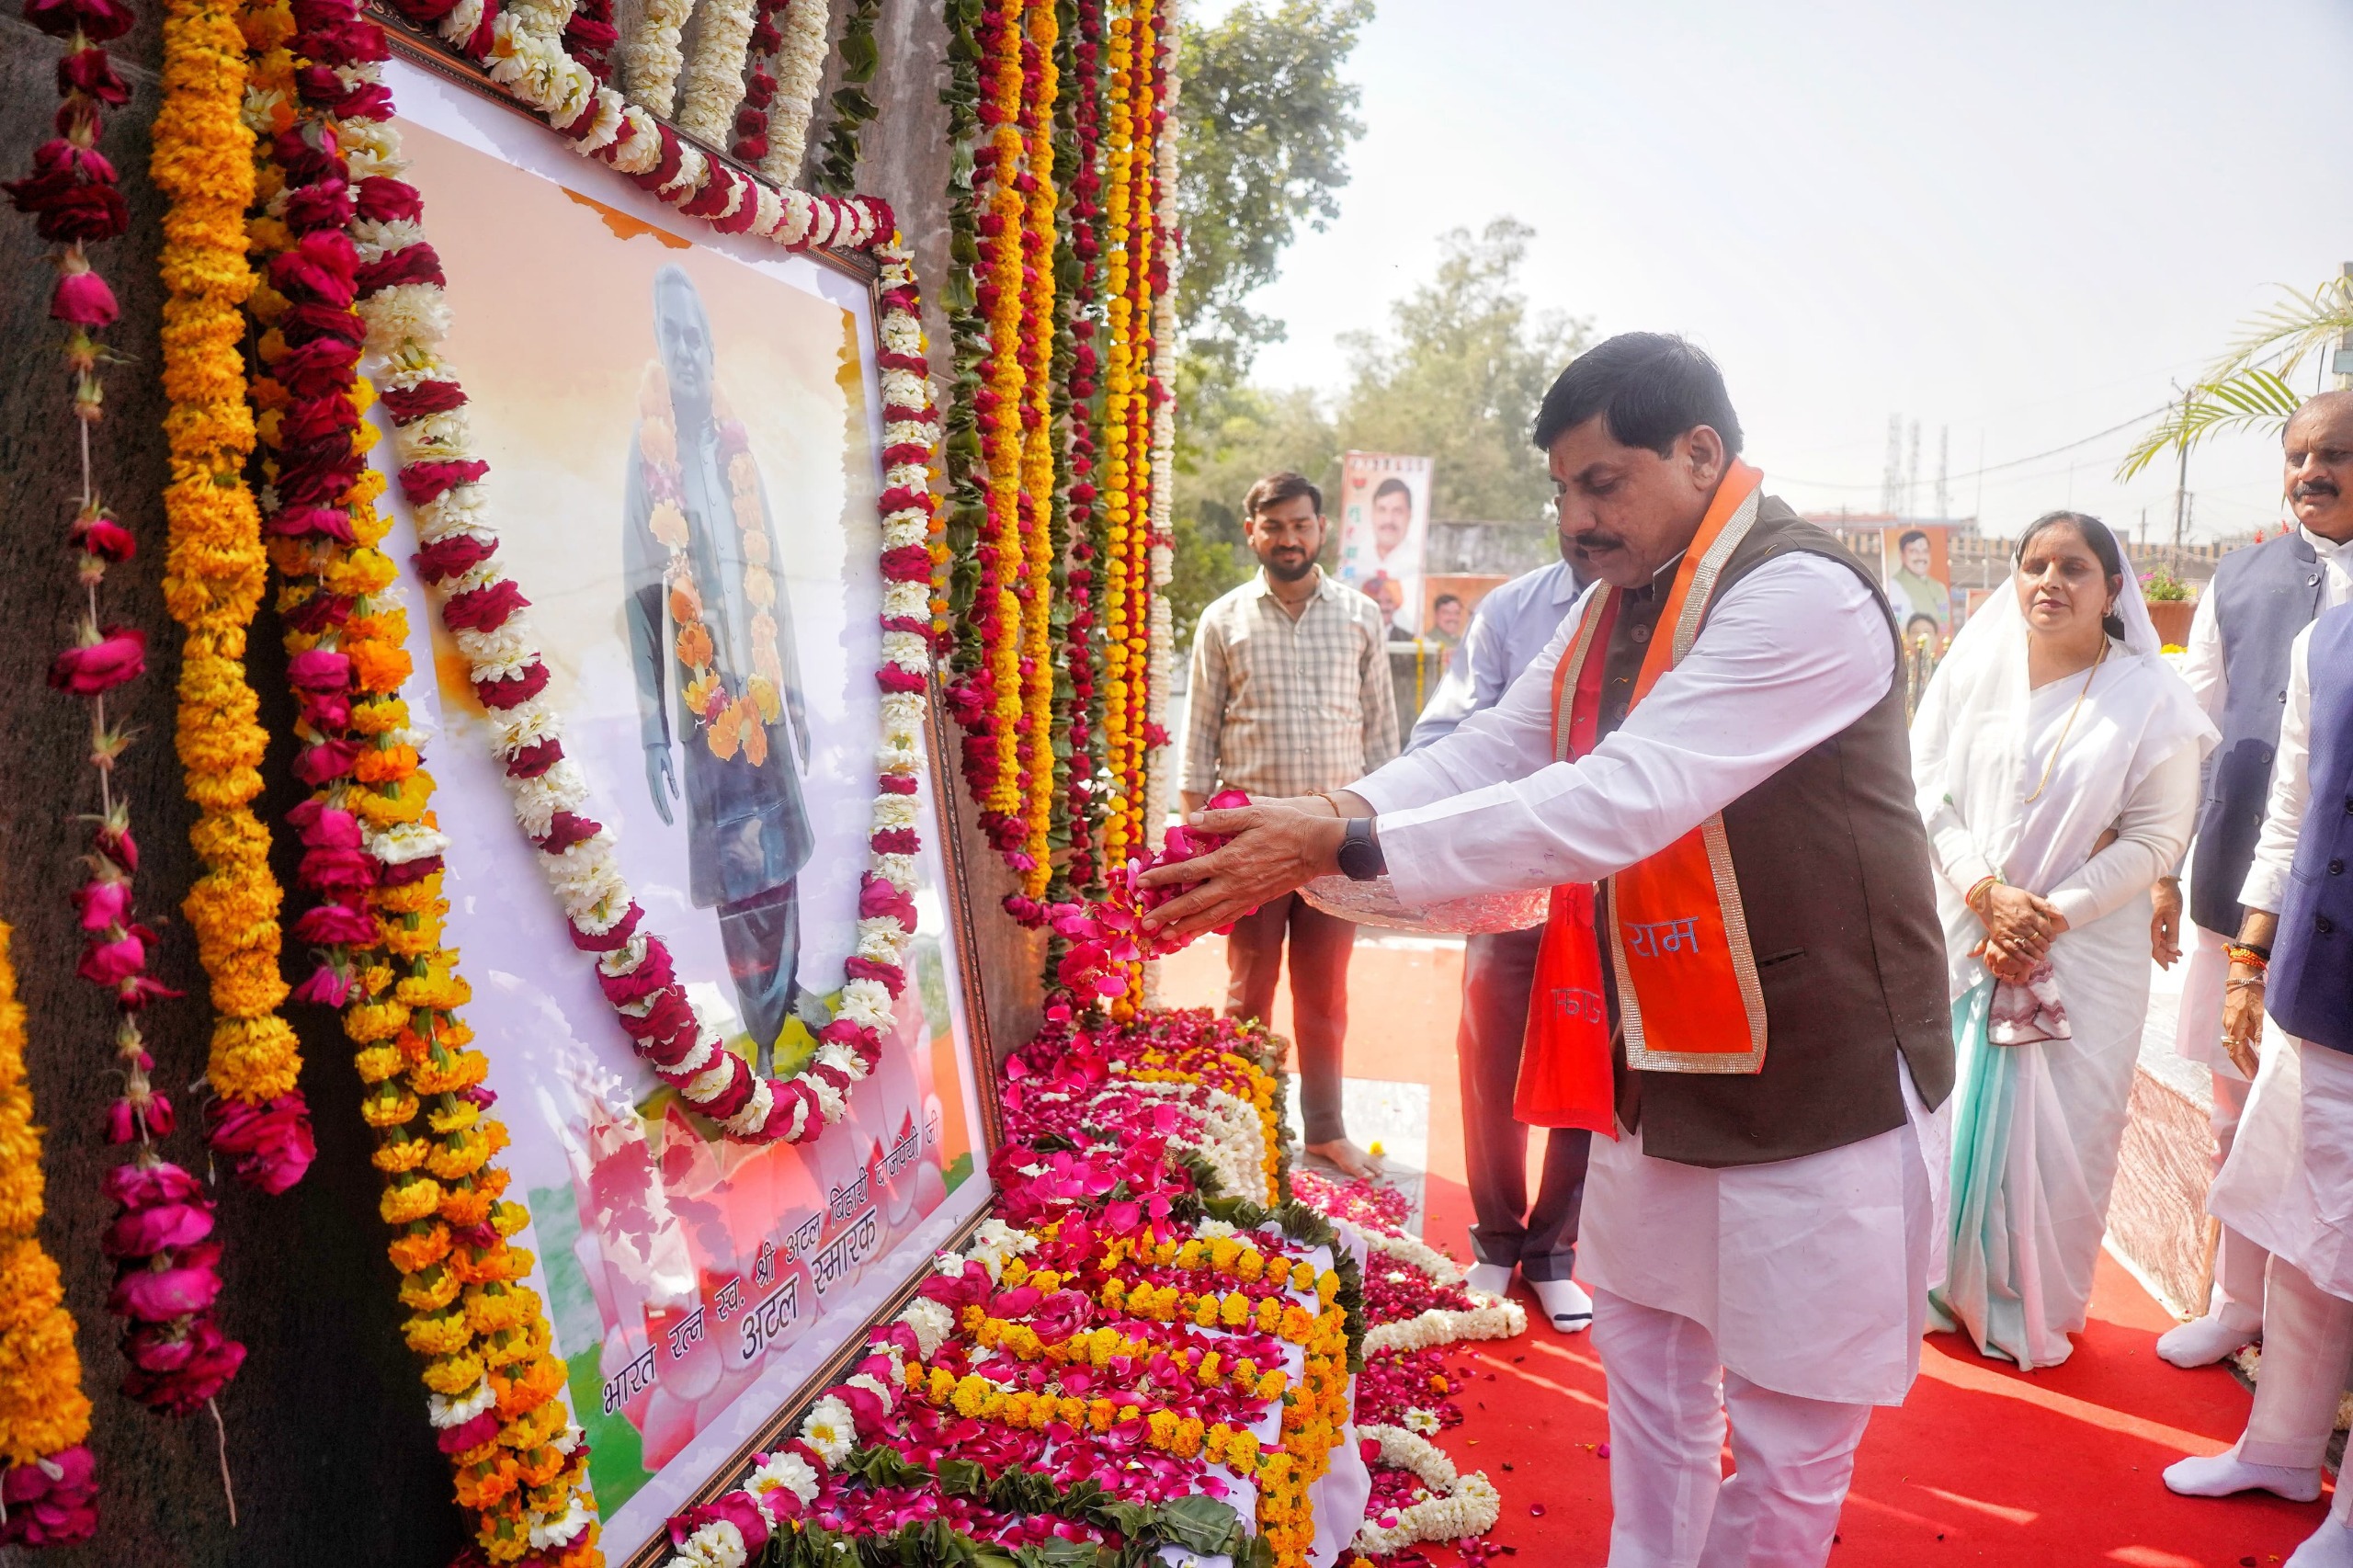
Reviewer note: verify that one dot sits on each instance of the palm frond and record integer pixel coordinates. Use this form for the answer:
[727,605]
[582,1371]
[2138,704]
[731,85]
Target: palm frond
[2296,326]
[2252,399]
[2247,388]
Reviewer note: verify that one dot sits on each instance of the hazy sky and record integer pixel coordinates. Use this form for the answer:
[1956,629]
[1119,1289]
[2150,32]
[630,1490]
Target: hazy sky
[2019,219]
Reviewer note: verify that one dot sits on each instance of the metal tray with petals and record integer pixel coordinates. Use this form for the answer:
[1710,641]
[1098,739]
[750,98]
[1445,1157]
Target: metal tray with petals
[1375,903]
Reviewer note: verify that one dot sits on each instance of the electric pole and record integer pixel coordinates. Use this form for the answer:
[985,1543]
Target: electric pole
[2181,482]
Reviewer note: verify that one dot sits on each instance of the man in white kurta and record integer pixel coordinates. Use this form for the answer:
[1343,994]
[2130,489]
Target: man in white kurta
[1788,1293]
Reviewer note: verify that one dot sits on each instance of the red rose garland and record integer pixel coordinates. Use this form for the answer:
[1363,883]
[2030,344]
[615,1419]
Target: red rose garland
[165,1282]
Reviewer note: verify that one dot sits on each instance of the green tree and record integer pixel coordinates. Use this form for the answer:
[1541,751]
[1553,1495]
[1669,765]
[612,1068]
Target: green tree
[1264,128]
[1460,376]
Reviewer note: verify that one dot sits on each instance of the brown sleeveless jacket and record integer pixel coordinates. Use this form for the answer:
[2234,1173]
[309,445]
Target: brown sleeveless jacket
[1833,869]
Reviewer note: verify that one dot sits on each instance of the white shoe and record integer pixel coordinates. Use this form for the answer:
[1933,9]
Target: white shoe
[1488,1278]
[1565,1304]
[2226,1473]
[2331,1546]
[2201,1341]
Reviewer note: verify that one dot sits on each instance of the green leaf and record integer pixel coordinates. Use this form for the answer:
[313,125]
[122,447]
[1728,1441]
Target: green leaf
[1207,1525]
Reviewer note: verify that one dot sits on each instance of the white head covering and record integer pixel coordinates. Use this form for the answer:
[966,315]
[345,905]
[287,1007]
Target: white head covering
[1972,744]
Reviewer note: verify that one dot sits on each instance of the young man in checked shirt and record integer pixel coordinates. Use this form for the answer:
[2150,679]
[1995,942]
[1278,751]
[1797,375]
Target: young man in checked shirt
[1291,695]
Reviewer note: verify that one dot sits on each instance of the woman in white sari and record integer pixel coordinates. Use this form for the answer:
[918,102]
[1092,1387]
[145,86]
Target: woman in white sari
[2057,759]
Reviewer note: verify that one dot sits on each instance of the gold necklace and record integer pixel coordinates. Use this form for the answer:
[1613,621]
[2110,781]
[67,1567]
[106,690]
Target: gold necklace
[2068,728]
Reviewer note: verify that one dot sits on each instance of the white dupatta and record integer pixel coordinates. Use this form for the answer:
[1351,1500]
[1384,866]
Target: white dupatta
[1973,747]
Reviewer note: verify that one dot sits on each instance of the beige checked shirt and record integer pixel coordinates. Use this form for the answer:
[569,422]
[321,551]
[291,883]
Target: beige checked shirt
[1284,706]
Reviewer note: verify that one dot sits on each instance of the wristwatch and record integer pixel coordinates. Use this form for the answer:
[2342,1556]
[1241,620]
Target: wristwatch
[1361,857]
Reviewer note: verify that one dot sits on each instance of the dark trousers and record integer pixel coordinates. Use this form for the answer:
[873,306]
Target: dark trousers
[1320,945]
[762,937]
[1498,972]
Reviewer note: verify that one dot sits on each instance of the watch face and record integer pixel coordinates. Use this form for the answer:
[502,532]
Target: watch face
[1359,859]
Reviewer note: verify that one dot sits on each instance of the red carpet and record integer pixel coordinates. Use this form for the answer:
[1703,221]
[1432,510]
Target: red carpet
[1983,1464]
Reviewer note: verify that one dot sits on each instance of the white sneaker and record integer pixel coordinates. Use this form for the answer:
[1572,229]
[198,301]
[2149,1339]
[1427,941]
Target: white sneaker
[1565,1304]
[2221,1476]
[1488,1278]
[2201,1341]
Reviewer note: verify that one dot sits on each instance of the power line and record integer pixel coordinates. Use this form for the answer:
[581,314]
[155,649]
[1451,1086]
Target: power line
[1999,467]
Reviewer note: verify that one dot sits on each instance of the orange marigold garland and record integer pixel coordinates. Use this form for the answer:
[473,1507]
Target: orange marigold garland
[214,578]
[1040,442]
[497,1391]
[48,1493]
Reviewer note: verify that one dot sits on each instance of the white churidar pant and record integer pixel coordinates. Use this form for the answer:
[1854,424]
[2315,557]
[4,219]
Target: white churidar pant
[1793,1294]
[1671,1507]
[2307,1349]
[2237,1296]
[2289,1188]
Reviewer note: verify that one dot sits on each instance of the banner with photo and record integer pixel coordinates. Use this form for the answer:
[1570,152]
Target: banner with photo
[1917,574]
[684,440]
[1385,529]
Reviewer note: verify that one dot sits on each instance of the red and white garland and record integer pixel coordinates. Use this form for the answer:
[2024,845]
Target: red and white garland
[521,45]
[482,606]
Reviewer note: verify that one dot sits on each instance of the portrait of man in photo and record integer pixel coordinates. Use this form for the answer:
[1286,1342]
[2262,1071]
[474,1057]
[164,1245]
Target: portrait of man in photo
[711,640]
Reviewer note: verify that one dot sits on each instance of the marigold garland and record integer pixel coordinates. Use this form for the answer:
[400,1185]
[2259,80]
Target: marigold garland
[47,1481]
[214,575]
[495,1390]
[1040,443]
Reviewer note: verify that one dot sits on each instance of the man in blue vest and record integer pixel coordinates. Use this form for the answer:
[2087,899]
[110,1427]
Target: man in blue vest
[1515,624]
[2237,662]
[2293,958]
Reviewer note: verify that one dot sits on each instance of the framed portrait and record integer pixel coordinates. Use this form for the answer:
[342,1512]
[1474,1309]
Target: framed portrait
[685,438]
[1385,529]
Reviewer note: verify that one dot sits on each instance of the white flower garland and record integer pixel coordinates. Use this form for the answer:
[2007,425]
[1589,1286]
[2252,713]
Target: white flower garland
[799,64]
[1421,1255]
[715,76]
[406,324]
[1451,1505]
[527,57]
[650,57]
[1493,1318]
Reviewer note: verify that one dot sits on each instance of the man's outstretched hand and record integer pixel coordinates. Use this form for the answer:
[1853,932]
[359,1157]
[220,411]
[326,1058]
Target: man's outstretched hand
[1272,847]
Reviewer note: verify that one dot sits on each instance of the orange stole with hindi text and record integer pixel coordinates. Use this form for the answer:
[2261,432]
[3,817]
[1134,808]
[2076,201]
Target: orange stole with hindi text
[1689,999]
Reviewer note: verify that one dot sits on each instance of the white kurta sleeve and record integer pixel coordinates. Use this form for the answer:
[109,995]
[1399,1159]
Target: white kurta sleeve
[2201,660]
[1791,654]
[2151,832]
[2283,817]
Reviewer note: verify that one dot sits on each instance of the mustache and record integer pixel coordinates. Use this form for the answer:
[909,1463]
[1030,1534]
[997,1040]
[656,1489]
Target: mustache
[2306,489]
[1594,540]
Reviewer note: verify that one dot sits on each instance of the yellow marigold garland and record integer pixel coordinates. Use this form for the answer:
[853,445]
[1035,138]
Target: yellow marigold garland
[44,1416]
[1002,443]
[1040,441]
[214,573]
[497,1390]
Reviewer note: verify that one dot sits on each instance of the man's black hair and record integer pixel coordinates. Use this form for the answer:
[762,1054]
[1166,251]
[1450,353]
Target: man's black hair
[1278,488]
[1909,535]
[1443,599]
[1648,387]
[1393,485]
